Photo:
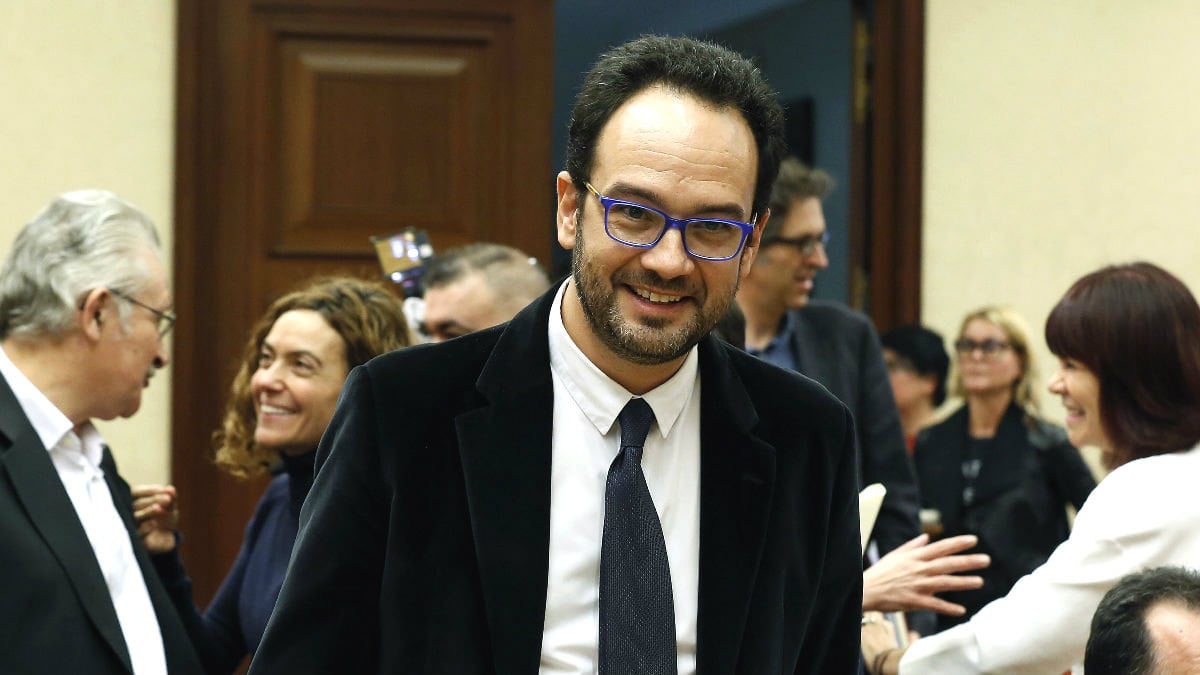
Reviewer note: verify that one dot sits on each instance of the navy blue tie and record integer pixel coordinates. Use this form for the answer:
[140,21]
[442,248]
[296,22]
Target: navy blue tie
[637,612]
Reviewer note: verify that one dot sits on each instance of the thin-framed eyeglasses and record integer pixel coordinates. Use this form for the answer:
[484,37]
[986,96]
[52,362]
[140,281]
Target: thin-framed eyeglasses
[806,245]
[990,347]
[166,319]
[642,226]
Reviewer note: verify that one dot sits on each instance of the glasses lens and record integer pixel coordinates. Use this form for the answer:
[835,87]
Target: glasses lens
[988,347]
[810,244]
[634,224]
[712,238]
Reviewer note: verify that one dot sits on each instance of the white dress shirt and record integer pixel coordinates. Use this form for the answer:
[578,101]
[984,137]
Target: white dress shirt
[1144,514]
[76,458]
[586,439]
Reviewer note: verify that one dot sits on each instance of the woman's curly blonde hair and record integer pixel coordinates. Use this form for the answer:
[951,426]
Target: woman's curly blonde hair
[371,321]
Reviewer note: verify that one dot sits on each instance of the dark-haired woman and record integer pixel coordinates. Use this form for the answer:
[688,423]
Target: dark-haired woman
[917,367]
[1128,340]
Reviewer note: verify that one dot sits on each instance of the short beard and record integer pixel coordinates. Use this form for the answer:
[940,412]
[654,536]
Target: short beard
[644,342]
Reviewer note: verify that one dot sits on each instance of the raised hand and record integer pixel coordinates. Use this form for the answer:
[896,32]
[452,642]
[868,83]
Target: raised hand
[907,578]
[156,513]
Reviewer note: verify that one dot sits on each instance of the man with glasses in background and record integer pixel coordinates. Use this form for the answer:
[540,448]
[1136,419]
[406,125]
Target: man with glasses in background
[84,307]
[598,485]
[827,341]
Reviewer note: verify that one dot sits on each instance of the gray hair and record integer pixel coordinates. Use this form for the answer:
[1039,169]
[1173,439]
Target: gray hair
[513,275]
[83,240]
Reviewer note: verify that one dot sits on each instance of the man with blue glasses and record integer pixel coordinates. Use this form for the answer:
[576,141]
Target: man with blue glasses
[598,486]
[827,341]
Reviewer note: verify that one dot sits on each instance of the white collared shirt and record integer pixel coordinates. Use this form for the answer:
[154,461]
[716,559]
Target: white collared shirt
[586,439]
[76,458]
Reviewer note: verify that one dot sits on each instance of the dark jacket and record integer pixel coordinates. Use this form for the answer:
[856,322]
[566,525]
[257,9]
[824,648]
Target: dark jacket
[56,614]
[424,544]
[1030,473]
[233,624]
[839,348]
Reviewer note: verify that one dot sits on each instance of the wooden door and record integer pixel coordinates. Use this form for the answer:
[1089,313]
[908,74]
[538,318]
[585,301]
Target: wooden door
[303,129]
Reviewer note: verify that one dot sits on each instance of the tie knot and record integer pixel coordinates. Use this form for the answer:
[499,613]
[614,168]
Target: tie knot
[636,418]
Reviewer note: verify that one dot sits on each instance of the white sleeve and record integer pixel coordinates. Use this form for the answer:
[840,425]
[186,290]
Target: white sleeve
[1140,516]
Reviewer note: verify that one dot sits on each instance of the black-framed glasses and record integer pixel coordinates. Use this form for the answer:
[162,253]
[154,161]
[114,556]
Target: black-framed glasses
[806,245]
[641,226]
[166,319]
[989,347]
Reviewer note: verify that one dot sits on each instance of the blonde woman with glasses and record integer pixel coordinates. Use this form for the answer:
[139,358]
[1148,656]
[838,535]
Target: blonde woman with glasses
[995,468]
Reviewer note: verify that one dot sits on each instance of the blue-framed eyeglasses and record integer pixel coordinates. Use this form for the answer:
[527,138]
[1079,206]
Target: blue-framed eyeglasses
[165,320]
[641,226]
[806,245]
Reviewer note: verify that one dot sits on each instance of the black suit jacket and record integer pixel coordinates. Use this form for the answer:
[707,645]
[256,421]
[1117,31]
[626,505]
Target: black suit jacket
[1021,494]
[56,614]
[424,544]
[839,348]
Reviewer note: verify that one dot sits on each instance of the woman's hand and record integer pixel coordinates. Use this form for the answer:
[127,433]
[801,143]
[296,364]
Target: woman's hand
[157,516]
[906,579]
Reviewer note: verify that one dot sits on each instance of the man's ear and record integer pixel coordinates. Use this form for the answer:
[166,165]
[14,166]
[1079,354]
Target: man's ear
[750,249]
[568,210]
[95,309]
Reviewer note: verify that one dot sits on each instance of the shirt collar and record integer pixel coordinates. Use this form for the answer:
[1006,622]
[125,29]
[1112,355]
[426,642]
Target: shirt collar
[50,424]
[599,396]
[47,420]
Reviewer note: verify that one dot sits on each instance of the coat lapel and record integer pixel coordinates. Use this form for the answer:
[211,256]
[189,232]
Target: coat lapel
[737,476]
[808,347]
[38,487]
[176,645]
[505,446]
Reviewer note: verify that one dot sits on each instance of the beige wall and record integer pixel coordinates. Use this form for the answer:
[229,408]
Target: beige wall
[1060,136]
[88,89]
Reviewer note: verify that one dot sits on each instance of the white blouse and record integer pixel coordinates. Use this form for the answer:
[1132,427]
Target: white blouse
[1144,514]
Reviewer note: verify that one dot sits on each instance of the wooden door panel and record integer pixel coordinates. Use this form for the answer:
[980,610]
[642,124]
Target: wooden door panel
[303,128]
[381,129]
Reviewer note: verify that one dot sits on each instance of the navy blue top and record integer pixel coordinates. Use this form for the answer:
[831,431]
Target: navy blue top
[233,624]
[779,349]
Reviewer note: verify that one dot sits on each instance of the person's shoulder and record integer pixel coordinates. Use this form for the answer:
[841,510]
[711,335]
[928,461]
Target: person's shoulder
[826,312]
[1045,435]
[1145,502]
[277,493]
[771,386]
[273,500]
[1171,467]
[952,423]
[431,366]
